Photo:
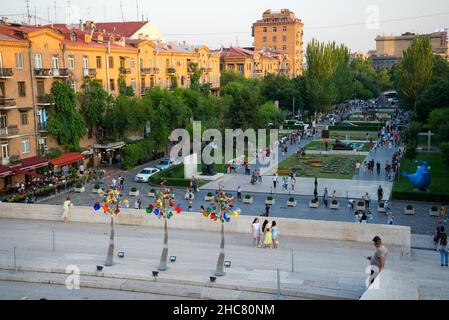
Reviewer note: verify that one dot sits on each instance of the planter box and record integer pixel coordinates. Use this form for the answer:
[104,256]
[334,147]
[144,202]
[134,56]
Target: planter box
[357,207]
[270,202]
[314,205]
[335,206]
[134,194]
[292,203]
[207,198]
[97,191]
[434,213]
[381,209]
[248,201]
[409,212]
[79,190]
[151,194]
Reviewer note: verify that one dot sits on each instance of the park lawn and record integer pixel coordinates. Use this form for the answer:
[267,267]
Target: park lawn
[332,167]
[351,136]
[439,185]
[320,146]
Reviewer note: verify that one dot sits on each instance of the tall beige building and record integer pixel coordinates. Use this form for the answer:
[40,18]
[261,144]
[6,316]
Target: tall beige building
[281,31]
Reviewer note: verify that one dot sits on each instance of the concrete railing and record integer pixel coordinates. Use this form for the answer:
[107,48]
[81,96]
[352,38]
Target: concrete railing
[393,285]
[327,230]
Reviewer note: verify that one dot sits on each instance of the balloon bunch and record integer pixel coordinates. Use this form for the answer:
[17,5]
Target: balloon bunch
[164,205]
[221,207]
[112,200]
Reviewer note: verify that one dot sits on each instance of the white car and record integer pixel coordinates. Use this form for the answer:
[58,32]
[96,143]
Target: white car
[145,174]
[299,123]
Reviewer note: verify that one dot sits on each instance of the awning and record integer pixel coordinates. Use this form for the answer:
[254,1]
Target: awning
[66,158]
[35,175]
[30,163]
[110,146]
[5,171]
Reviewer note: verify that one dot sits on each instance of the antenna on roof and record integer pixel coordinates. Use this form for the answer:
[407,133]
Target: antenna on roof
[54,4]
[121,10]
[69,10]
[137,6]
[28,11]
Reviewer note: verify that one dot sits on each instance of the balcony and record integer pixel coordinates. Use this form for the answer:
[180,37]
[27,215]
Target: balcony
[149,71]
[7,103]
[8,161]
[125,71]
[206,70]
[43,73]
[89,73]
[171,70]
[43,100]
[60,73]
[258,71]
[9,132]
[42,126]
[6,73]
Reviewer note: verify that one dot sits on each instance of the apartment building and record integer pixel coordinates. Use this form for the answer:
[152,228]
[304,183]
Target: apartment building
[254,64]
[33,57]
[281,31]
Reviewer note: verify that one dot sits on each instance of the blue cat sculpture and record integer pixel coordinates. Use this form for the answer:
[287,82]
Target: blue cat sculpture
[421,178]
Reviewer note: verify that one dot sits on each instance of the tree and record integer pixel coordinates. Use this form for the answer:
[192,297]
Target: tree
[414,71]
[125,90]
[433,97]
[439,123]
[230,76]
[195,75]
[64,121]
[93,103]
[383,80]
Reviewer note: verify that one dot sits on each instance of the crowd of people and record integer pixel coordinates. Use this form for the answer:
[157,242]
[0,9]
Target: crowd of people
[266,236]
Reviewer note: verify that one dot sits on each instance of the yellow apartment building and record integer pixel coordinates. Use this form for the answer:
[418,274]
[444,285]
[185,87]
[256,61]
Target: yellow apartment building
[283,32]
[255,64]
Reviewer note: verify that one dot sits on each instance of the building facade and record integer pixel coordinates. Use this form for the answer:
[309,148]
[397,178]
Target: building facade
[283,32]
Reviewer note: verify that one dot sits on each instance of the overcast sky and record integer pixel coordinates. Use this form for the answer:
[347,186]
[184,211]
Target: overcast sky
[216,23]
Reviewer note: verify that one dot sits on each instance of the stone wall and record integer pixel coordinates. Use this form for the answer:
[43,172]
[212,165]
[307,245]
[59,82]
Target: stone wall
[328,230]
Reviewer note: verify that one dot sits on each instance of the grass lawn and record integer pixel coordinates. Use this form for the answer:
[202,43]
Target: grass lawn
[321,166]
[320,146]
[351,136]
[439,186]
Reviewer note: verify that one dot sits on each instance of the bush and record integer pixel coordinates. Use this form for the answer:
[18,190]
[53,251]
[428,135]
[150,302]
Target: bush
[79,185]
[360,203]
[97,186]
[422,196]
[270,198]
[291,199]
[314,200]
[133,189]
[381,205]
[434,208]
[209,194]
[152,190]
[137,153]
[410,150]
[409,207]
[334,201]
[248,196]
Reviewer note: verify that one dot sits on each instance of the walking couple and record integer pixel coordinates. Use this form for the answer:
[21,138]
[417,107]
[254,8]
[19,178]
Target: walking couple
[267,235]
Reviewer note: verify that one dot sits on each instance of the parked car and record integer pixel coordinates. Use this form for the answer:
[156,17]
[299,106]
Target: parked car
[145,174]
[165,163]
[348,124]
[299,123]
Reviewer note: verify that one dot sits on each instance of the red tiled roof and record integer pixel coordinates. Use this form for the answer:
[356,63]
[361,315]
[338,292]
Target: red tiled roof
[67,158]
[236,52]
[125,29]
[5,171]
[30,163]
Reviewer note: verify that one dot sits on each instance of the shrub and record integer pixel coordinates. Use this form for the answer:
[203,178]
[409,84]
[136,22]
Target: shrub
[270,198]
[381,205]
[79,185]
[97,186]
[409,207]
[291,199]
[209,194]
[133,189]
[152,190]
[334,201]
[137,153]
[248,196]
[314,200]
[360,203]
[434,208]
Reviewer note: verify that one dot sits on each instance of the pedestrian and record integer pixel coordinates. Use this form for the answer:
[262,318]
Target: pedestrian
[65,209]
[268,241]
[256,232]
[380,194]
[334,195]
[275,180]
[443,247]
[81,168]
[122,183]
[367,200]
[267,210]
[325,197]
[264,227]
[442,210]
[275,234]
[293,182]
[351,205]
[364,217]
[239,193]
[437,236]
[259,176]
[285,183]
[378,167]
[377,261]
[365,167]
[390,218]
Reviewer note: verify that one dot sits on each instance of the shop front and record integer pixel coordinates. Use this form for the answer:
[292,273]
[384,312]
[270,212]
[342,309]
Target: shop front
[109,154]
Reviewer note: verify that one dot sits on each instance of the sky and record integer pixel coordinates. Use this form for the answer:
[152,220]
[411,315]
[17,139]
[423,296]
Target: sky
[214,23]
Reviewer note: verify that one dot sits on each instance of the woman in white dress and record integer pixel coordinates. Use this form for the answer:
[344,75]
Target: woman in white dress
[67,204]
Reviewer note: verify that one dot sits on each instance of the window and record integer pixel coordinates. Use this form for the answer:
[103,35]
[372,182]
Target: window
[264,29]
[132,63]
[21,88]
[240,68]
[133,84]
[85,62]
[284,28]
[24,118]
[19,60]
[275,48]
[275,38]
[98,62]
[55,61]
[73,36]
[230,66]
[141,63]
[111,62]
[71,62]
[2,89]
[72,84]
[275,29]
[40,88]
[111,84]
[284,38]
[5,151]
[26,145]
[38,61]
[284,48]
[264,39]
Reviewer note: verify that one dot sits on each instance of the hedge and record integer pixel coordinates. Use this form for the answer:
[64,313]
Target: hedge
[424,196]
[137,153]
[358,128]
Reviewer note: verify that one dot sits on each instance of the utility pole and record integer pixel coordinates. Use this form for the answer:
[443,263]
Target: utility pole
[293,108]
